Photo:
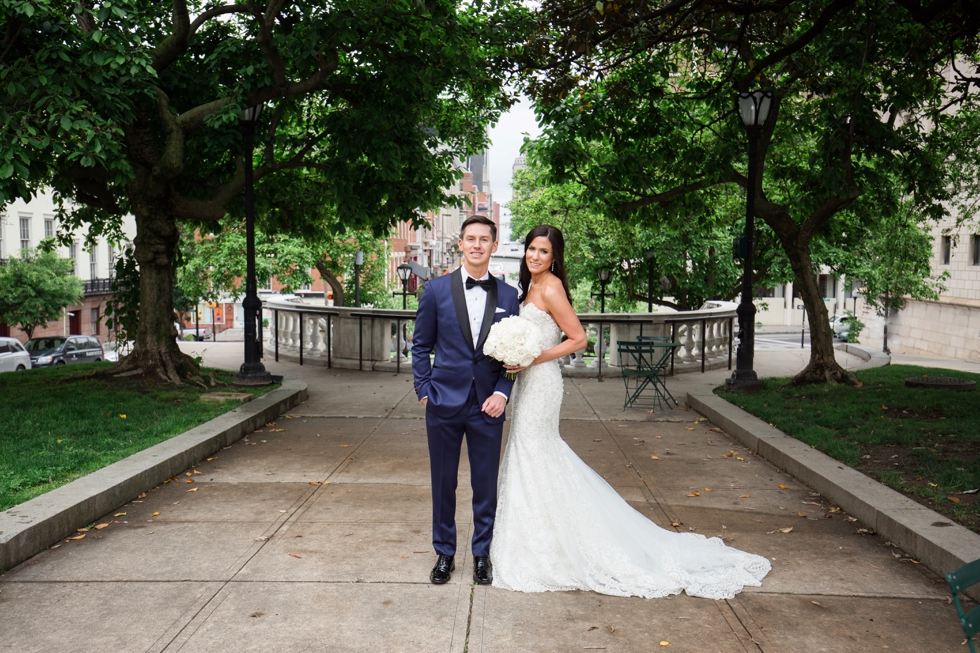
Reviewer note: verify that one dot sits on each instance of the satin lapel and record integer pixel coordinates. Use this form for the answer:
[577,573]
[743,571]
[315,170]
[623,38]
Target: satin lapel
[459,302]
[488,312]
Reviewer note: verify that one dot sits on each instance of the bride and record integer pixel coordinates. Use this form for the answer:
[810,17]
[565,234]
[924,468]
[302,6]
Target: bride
[559,525]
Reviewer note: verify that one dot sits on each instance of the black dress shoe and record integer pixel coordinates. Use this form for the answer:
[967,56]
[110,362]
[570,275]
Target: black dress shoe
[443,570]
[482,570]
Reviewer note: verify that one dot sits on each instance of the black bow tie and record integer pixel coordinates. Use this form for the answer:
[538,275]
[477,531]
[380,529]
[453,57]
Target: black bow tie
[483,283]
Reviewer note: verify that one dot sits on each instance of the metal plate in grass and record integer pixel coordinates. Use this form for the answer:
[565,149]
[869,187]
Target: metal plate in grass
[945,382]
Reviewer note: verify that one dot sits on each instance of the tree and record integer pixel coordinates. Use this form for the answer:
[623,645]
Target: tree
[686,251]
[868,96]
[133,106]
[36,288]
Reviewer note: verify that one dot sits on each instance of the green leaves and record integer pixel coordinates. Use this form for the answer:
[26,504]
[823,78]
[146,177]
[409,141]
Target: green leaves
[36,287]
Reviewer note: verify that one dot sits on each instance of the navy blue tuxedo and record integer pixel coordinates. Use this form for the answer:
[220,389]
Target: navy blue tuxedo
[457,383]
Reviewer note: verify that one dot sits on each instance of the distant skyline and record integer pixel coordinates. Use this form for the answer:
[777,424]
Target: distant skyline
[506,139]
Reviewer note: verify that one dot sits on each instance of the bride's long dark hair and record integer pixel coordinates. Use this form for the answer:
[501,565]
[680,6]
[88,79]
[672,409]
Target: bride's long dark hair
[553,234]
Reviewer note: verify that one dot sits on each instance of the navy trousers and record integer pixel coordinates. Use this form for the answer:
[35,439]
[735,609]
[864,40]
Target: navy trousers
[445,437]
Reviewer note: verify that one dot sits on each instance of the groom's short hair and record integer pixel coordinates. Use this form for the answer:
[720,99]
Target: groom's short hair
[479,219]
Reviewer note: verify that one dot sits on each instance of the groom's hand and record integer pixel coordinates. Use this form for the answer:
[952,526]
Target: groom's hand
[495,405]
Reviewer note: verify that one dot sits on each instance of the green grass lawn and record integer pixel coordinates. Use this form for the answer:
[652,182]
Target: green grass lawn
[58,425]
[924,443]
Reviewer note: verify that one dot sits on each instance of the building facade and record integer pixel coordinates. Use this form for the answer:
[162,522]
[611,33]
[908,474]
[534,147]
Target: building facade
[23,225]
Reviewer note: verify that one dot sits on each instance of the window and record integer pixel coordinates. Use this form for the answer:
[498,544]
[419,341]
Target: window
[95,321]
[112,259]
[49,227]
[73,255]
[975,250]
[93,263]
[947,249]
[25,233]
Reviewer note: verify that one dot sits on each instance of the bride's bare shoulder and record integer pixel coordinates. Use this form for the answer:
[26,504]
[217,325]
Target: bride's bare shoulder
[552,290]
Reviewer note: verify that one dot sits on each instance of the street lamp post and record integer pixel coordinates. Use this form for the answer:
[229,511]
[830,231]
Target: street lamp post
[252,371]
[404,273]
[603,274]
[358,262]
[754,108]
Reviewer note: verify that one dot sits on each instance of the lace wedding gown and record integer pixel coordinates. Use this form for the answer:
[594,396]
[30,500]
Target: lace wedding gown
[560,526]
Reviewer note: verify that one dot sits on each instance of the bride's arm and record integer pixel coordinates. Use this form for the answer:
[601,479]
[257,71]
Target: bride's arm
[556,303]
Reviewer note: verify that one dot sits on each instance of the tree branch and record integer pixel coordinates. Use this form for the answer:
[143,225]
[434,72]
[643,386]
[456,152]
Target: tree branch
[815,30]
[672,193]
[174,45]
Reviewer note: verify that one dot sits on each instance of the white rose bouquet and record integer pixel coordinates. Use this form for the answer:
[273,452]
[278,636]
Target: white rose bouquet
[514,341]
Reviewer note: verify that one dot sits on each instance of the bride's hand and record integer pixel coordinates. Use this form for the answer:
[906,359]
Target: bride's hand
[514,369]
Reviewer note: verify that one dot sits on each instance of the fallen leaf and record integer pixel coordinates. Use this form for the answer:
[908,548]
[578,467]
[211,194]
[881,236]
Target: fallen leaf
[210,459]
[405,557]
[592,628]
[344,446]
[740,458]
[953,499]
[654,457]
[597,440]
[800,514]
[690,428]
[815,603]
[716,430]
[694,494]
[294,555]
[119,514]
[142,496]
[744,496]
[187,473]
[728,455]
[350,458]
[665,643]
[783,487]
[156,514]
[315,483]
[122,415]
[82,530]
[196,472]
[914,561]
[77,537]
[933,485]
[193,489]
[707,489]
[99,527]
[675,523]
[786,530]
[190,480]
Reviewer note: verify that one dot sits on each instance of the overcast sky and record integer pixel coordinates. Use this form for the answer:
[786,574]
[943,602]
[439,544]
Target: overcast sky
[506,138]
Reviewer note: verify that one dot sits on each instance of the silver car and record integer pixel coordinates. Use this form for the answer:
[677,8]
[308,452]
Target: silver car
[13,356]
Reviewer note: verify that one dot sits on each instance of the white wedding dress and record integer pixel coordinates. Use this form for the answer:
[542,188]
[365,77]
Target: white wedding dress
[560,526]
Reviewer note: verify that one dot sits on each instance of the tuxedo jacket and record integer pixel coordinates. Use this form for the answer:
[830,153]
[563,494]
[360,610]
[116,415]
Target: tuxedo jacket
[443,324]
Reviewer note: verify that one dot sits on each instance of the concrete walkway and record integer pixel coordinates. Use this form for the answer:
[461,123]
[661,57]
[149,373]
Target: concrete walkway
[314,535]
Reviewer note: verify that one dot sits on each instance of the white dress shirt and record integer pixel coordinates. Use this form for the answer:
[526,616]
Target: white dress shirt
[476,302]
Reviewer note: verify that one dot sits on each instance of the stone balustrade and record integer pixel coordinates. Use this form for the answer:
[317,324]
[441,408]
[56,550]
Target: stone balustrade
[374,339]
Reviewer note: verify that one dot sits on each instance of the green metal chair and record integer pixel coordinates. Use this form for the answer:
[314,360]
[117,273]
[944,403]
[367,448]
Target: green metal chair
[643,364]
[652,339]
[959,580]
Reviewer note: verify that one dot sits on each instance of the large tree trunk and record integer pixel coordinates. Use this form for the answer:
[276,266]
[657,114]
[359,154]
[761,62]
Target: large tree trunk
[335,285]
[156,352]
[823,366]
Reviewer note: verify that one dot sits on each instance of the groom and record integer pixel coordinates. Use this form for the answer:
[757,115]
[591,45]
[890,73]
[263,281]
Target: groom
[464,392]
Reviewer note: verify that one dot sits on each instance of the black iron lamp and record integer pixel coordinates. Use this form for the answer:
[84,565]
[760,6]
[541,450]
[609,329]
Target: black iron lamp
[603,274]
[404,273]
[252,371]
[754,109]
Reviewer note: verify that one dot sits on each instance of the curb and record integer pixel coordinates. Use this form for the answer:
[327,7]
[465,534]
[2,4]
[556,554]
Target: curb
[871,357]
[31,527]
[942,545]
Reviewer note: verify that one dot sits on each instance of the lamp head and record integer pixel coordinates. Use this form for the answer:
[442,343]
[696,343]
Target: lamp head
[404,271]
[359,258]
[603,274]
[754,107]
[251,114]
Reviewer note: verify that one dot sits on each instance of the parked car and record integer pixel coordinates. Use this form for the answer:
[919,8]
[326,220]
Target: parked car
[839,325]
[13,356]
[64,350]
